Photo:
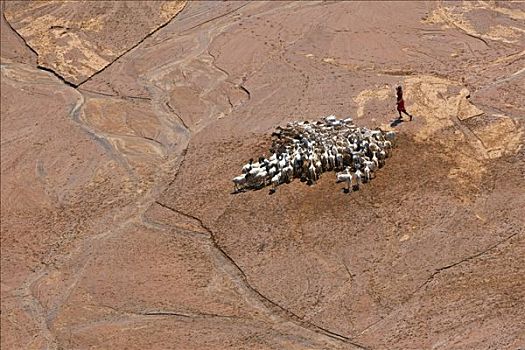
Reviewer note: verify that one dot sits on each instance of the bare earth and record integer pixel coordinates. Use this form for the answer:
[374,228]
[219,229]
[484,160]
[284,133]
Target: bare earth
[123,124]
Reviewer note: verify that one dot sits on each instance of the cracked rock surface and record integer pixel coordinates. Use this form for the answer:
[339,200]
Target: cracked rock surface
[124,122]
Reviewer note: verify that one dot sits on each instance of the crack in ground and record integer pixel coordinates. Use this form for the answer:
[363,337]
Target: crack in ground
[433,275]
[178,116]
[468,258]
[64,80]
[152,140]
[500,80]
[227,80]
[474,36]
[464,31]
[75,116]
[75,112]
[124,97]
[214,64]
[58,76]
[14,31]
[130,49]
[243,88]
[38,66]
[166,313]
[29,302]
[187,315]
[285,313]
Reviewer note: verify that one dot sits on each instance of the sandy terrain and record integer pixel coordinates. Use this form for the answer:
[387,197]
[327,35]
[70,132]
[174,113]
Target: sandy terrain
[123,124]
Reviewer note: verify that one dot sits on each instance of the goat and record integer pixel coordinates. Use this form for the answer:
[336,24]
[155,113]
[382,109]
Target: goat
[287,173]
[247,167]
[331,160]
[375,160]
[260,178]
[367,173]
[358,177]
[345,176]
[331,118]
[272,171]
[276,180]
[387,146]
[373,147]
[239,182]
[307,149]
[254,170]
[338,160]
[312,174]
[370,165]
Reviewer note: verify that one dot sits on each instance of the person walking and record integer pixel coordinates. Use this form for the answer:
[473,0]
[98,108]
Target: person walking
[401,103]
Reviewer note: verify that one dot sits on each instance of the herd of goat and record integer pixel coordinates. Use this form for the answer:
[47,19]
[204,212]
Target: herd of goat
[306,149]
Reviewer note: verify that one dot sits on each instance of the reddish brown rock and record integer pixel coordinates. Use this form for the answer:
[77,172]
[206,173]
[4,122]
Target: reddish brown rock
[76,40]
[119,226]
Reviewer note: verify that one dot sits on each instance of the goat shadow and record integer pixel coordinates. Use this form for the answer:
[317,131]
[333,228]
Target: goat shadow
[243,190]
[347,190]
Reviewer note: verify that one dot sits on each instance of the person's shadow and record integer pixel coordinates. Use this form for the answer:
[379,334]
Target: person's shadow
[396,122]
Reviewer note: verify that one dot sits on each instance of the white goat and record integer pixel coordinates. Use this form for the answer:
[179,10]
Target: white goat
[307,149]
[375,160]
[260,178]
[276,180]
[345,176]
[331,118]
[358,178]
[254,170]
[239,182]
[312,173]
[246,168]
[367,173]
[370,165]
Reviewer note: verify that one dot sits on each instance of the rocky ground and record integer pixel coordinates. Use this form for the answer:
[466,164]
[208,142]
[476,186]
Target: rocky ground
[123,124]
